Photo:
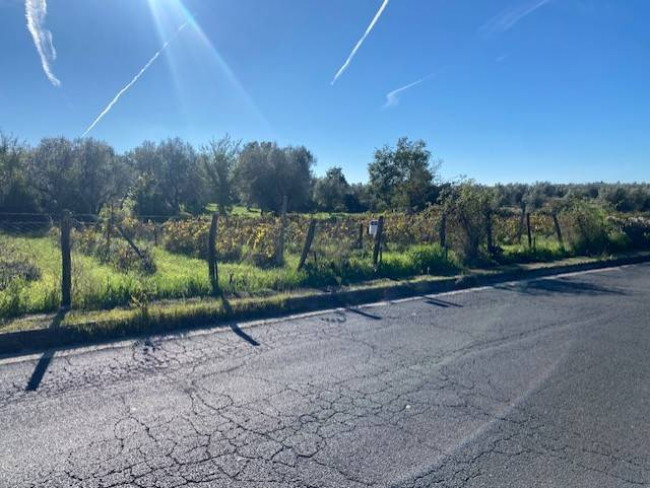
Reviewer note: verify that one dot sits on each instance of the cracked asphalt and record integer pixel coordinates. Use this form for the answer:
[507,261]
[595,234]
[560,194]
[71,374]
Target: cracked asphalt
[543,383]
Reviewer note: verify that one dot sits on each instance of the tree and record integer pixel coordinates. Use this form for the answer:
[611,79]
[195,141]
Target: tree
[330,192]
[16,195]
[358,198]
[51,169]
[219,159]
[169,178]
[80,175]
[468,208]
[101,174]
[265,173]
[402,177]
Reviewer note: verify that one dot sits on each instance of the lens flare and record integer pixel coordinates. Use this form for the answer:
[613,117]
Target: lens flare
[169,13]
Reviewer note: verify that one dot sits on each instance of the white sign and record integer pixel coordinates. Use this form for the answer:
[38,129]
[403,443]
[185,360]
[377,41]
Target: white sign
[372,228]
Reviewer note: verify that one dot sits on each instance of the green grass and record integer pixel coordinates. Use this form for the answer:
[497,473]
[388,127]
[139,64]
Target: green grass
[42,295]
[162,316]
[544,250]
[100,286]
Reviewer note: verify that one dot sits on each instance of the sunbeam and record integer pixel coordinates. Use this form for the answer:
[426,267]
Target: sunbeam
[167,13]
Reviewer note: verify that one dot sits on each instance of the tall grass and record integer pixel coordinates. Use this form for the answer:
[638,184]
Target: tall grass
[544,250]
[102,286]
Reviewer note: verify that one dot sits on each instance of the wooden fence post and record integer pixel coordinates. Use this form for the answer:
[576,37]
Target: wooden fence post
[443,230]
[279,256]
[529,231]
[488,232]
[66,263]
[558,229]
[109,229]
[522,219]
[308,241]
[213,269]
[443,233]
[378,240]
[361,231]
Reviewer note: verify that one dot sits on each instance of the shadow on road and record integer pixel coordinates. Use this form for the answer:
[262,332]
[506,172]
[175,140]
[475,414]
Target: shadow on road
[363,313]
[559,285]
[235,327]
[442,303]
[39,371]
[46,358]
[237,330]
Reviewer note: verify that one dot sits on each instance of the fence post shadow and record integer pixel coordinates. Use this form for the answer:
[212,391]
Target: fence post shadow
[45,360]
[234,326]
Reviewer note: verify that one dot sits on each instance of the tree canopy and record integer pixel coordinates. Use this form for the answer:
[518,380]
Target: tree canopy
[171,177]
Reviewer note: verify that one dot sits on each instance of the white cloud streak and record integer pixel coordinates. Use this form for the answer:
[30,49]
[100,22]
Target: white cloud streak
[393,98]
[36,12]
[508,18]
[133,81]
[361,41]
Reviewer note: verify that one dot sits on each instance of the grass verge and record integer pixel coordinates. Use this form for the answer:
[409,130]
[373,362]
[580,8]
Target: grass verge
[78,327]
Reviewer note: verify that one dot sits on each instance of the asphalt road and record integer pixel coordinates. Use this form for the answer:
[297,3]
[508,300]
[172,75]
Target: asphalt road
[534,384]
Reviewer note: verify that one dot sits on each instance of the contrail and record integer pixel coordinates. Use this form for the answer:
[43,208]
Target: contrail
[36,11]
[133,81]
[510,17]
[361,41]
[392,98]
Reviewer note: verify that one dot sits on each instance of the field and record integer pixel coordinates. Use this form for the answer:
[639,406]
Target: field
[122,261]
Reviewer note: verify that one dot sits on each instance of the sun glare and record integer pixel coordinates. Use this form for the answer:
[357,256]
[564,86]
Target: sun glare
[168,15]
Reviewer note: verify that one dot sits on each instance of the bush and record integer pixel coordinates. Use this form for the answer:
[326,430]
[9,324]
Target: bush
[590,228]
[638,232]
[119,253]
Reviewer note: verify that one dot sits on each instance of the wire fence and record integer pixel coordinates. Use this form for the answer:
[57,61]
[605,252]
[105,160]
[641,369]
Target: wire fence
[117,259]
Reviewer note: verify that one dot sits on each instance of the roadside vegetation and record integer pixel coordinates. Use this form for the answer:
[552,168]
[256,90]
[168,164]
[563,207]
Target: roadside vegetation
[141,222]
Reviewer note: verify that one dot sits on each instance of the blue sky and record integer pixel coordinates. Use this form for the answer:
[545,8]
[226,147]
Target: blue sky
[509,90]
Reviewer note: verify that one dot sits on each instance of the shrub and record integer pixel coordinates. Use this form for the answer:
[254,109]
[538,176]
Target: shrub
[590,236]
[119,253]
[638,232]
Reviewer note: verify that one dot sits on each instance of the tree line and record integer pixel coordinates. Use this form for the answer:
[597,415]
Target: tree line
[173,177]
